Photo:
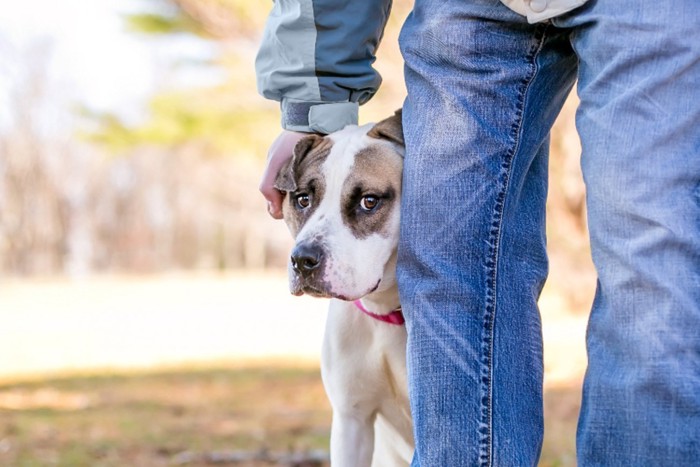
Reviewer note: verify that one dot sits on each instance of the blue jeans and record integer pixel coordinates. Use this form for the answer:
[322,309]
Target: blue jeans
[484,88]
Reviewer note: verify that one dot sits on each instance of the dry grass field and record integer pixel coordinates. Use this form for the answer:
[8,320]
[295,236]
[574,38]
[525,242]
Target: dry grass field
[196,370]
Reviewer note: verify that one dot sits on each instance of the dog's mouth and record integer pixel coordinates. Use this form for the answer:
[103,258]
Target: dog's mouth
[314,291]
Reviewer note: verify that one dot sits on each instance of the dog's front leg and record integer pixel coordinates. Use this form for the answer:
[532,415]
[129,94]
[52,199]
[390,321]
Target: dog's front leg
[352,440]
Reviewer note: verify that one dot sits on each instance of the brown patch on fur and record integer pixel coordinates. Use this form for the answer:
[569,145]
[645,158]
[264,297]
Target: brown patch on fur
[286,180]
[390,129]
[377,172]
[302,175]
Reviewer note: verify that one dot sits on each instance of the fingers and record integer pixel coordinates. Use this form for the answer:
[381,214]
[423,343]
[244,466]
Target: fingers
[280,152]
[274,198]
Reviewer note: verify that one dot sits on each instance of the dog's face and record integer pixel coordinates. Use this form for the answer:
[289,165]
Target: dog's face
[342,207]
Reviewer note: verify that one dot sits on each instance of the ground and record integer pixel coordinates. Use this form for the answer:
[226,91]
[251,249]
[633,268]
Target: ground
[196,370]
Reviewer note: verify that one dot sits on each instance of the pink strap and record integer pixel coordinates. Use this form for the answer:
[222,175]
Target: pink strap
[394,317]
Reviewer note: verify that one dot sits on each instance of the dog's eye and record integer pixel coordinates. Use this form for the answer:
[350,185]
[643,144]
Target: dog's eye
[369,202]
[303,201]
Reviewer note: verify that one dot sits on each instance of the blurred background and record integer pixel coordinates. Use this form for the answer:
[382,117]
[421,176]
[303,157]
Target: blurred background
[144,311]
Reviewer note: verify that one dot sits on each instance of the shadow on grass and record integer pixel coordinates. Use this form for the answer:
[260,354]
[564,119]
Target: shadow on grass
[252,417]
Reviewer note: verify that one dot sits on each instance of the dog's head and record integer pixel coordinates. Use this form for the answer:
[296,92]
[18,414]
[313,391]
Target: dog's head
[342,207]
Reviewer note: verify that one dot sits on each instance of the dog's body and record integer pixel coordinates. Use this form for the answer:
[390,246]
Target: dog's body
[363,365]
[343,209]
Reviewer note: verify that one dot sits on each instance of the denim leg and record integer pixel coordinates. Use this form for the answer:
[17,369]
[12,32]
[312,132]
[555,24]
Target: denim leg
[483,90]
[639,122]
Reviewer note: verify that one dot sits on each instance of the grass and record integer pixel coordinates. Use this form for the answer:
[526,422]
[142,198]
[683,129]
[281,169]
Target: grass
[149,419]
[184,416]
[155,418]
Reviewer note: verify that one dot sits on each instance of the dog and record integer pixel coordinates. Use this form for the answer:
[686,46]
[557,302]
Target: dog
[342,206]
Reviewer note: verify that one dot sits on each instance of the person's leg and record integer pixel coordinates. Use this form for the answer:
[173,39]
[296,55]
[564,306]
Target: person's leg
[639,122]
[483,90]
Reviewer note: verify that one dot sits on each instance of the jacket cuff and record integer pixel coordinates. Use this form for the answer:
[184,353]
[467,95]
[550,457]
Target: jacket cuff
[318,117]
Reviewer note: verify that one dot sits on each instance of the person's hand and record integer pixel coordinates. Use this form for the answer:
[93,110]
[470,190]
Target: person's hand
[280,152]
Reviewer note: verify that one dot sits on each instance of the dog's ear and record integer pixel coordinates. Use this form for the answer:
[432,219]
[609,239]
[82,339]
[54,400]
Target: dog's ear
[390,128]
[286,180]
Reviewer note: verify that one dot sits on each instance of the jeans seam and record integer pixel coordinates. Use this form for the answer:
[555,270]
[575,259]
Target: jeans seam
[491,266]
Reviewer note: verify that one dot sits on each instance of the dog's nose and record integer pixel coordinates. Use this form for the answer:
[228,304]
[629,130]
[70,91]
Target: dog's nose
[306,258]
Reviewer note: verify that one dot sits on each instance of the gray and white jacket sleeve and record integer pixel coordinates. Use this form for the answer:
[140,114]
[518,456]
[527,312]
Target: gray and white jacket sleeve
[316,59]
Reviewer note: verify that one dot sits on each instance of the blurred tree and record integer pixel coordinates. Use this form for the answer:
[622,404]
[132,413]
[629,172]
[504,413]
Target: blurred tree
[41,224]
[219,19]
[223,118]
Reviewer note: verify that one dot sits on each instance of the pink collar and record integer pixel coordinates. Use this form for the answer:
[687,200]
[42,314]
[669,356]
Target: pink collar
[393,317]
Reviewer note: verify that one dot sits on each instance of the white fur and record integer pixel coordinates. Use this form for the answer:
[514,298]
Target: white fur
[363,360]
[349,273]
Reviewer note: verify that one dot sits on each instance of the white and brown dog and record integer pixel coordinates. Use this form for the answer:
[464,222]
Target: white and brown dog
[342,207]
